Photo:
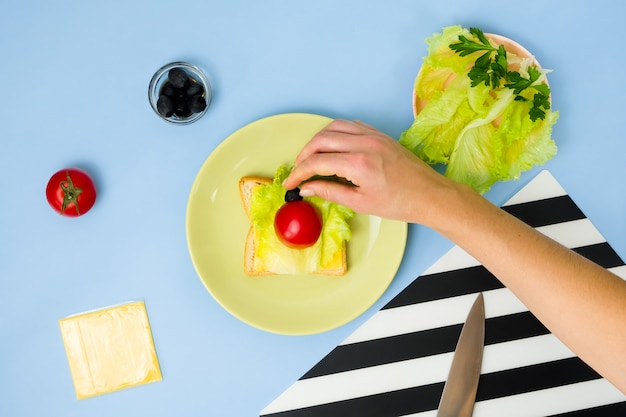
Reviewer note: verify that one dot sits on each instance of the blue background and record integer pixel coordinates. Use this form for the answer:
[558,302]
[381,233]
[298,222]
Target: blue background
[74,78]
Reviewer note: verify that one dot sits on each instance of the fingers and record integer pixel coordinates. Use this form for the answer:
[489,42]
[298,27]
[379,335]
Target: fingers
[333,191]
[326,164]
[339,136]
[345,126]
[364,125]
[334,151]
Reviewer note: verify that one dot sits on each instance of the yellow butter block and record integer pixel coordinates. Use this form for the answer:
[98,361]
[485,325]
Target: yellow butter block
[110,349]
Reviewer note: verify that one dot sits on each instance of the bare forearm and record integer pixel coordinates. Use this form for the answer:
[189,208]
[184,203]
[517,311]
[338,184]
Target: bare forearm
[580,302]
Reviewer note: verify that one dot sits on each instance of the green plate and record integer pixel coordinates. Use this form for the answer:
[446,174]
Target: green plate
[217,228]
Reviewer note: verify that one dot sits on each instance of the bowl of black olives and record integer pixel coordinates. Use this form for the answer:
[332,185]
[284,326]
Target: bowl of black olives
[180,93]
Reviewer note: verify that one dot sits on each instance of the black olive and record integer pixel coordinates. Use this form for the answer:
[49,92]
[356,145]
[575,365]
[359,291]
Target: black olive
[165,106]
[197,104]
[182,107]
[293,195]
[178,77]
[194,89]
[169,90]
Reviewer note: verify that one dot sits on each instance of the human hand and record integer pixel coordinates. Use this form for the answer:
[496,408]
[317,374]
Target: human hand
[389,181]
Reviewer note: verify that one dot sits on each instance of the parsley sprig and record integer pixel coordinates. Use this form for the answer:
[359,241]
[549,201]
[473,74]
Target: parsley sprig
[491,68]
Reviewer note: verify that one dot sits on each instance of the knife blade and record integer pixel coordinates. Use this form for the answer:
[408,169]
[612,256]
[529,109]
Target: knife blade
[459,391]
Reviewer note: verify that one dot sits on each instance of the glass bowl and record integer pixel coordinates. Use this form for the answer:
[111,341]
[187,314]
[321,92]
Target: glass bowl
[175,108]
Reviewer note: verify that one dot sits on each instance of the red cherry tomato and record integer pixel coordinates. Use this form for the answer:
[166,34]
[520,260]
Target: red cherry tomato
[298,224]
[71,192]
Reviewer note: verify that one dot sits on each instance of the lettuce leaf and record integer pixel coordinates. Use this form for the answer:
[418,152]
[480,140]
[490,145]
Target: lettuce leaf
[483,134]
[272,254]
[441,56]
[432,135]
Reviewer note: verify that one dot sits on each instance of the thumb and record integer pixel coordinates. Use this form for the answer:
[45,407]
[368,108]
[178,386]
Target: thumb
[331,191]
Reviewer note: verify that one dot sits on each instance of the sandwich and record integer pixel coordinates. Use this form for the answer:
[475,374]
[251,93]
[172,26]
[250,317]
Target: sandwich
[265,253]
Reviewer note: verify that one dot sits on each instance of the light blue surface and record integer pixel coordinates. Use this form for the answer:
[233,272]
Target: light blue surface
[74,77]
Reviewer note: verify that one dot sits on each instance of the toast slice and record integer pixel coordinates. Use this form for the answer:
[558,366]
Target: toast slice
[337,266]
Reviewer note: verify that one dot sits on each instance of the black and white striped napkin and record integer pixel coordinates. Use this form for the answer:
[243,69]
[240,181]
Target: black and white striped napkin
[396,363]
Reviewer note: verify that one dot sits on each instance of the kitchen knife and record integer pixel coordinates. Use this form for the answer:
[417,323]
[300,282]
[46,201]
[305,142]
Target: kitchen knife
[459,392]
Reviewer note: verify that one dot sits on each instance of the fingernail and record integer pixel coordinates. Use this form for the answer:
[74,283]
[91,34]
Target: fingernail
[306,192]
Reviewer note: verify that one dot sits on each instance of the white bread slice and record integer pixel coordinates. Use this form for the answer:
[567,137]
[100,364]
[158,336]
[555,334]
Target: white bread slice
[338,266]
[246,186]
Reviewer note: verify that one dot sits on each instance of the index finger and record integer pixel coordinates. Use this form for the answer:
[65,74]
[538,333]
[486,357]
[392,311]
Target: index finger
[338,136]
[324,164]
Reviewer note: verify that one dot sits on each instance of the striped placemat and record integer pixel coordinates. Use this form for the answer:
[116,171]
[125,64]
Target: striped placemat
[396,363]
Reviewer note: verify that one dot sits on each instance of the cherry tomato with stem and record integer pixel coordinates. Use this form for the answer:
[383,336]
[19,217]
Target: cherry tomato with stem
[71,192]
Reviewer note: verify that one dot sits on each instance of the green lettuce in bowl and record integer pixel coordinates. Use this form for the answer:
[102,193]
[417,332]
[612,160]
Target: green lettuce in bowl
[482,108]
